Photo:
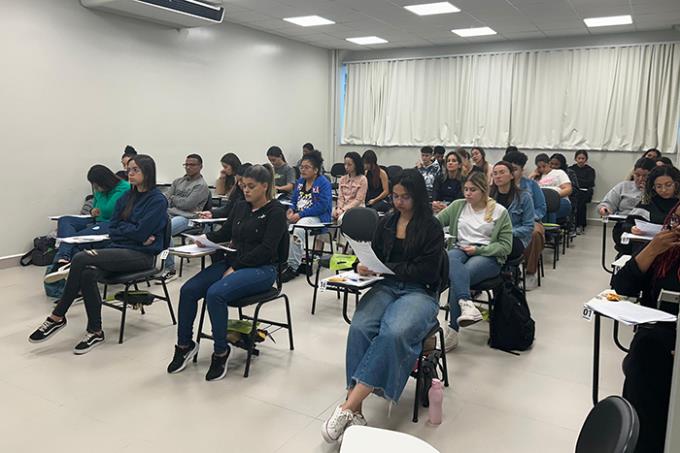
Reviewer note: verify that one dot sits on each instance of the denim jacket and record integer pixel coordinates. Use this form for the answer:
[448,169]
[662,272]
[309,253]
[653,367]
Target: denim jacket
[521,212]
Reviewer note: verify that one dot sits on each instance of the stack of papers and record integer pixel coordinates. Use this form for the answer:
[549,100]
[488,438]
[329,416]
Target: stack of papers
[84,239]
[349,278]
[629,313]
[193,249]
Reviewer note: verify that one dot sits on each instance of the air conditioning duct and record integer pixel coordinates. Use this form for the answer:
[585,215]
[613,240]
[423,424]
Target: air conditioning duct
[173,13]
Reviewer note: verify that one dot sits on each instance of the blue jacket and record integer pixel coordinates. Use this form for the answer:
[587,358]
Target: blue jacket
[149,217]
[532,187]
[521,212]
[322,199]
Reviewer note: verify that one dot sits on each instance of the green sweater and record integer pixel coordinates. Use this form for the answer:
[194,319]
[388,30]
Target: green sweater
[106,201]
[501,235]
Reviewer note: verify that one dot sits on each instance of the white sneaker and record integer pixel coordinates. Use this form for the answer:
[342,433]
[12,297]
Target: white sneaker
[469,313]
[332,429]
[450,339]
[531,282]
[58,275]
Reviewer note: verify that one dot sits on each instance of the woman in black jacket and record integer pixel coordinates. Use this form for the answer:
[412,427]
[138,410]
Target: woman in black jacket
[255,229]
[585,176]
[649,364]
[393,318]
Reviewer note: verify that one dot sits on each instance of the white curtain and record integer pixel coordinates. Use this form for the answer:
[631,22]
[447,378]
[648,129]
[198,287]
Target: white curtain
[615,98]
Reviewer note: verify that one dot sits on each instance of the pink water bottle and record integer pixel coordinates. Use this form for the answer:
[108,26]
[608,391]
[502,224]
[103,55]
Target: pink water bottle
[436,397]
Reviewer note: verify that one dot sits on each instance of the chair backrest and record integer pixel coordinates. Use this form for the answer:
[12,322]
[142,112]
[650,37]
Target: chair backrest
[282,264]
[208,204]
[167,243]
[552,199]
[612,426]
[393,171]
[338,170]
[359,224]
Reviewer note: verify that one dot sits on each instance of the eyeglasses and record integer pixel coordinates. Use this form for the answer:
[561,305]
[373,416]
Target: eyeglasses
[306,167]
[133,170]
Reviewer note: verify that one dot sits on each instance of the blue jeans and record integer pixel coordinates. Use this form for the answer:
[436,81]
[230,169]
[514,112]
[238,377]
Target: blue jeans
[179,224]
[386,335]
[562,212]
[297,242]
[218,291]
[464,271]
[69,226]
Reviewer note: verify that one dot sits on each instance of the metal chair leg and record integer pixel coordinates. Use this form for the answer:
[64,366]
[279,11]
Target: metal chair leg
[445,370]
[290,323]
[123,314]
[167,299]
[419,377]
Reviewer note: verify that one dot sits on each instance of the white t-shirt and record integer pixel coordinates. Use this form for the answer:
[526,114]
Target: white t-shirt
[554,179]
[473,229]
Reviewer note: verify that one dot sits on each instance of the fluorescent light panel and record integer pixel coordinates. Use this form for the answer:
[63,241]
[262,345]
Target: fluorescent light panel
[608,20]
[364,40]
[469,32]
[429,9]
[309,21]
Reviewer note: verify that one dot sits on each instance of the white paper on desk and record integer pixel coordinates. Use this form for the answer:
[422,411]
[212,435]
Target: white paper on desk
[207,242]
[84,239]
[627,237]
[629,313]
[350,278]
[647,228]
[79,216]
[193,249]
[367,257]
[199,221]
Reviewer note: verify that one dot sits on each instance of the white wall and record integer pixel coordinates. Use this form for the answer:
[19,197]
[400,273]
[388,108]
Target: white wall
[76,86]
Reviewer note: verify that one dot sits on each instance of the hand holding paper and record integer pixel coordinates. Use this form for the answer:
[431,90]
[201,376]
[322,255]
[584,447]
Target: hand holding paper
[647,228]
[367,257]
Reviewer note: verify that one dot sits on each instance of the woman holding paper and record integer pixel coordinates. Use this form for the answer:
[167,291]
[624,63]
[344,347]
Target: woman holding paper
[659,197]
[393,318]
[649,364]
[255,229]
[137,229]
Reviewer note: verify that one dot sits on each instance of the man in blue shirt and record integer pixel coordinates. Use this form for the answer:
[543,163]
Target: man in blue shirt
[537,243]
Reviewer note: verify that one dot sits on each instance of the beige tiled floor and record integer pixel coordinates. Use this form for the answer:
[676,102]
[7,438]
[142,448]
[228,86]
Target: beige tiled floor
[119,398]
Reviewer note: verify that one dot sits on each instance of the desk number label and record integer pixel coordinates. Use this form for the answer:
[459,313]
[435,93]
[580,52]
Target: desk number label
[587,313]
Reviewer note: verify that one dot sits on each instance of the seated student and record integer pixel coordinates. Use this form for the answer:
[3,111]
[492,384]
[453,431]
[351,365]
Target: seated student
[585,174]
[624,196]
[137,229]
[284,174]
[352,186]
[533,250]
[378,183]
[308,148]
[450,186]
[481,232]
[652,153]
[557,180]
[439,152]
[235,195]
[648,367]
[227,180]
[108,188]
[478,157]
[465,160]
[518,203]
[395,315]
[429,168]
[255,230]
[312,202]
[186,198]
[659,197]
[127,154]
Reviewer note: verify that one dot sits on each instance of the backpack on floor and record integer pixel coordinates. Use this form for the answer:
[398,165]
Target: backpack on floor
[512,328]
[42,253]
[56,289]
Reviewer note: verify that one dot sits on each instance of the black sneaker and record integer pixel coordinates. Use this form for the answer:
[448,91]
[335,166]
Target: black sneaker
[182,357]
[89,342]
[168,276]
[288,275]
[47,329]
[218,367]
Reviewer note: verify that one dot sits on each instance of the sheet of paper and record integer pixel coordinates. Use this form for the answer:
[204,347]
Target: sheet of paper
[80,216]
[207,242]
[629,313]
[84,239]
[627,237]
[203,221]
[647,228]
[349,278]
[367,257]
[193,249]
[621,261]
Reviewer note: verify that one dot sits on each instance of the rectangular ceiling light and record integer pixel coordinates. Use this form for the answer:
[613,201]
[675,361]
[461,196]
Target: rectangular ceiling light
[309,21]
[429,9]
[608,20]
[469,32]
[365,40]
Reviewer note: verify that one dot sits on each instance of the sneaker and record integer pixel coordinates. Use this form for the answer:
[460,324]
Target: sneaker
[182,357]
[46,330]
[168,276]
[450,339]
[288,275]
[332,429]
[469,313]
[218,367]
[531,282]
[58,275]
[89,342]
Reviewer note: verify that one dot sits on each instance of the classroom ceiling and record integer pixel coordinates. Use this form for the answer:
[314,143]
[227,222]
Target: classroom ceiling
[511,19]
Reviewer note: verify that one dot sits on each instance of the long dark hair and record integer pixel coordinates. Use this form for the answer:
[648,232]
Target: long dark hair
[493,192]
[373,174]
[414,183]
[485,164]
[275,151]
[358,163]
[459,172]
[104,178]
[657,172]
[147,166]
[562,160]
[663,263]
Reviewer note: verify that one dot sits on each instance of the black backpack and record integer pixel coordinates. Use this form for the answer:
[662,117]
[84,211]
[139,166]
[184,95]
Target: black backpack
[512,328]
[42,254]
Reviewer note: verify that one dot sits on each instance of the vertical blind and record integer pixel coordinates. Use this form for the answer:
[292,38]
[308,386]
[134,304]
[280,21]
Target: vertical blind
[614,98]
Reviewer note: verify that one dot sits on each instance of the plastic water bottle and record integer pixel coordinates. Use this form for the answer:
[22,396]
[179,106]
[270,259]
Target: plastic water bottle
[436,397]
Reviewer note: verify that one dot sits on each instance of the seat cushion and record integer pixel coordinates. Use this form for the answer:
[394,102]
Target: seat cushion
[113,278]
[256,299]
